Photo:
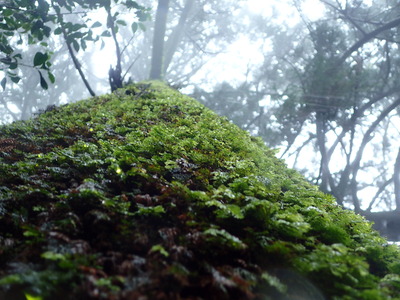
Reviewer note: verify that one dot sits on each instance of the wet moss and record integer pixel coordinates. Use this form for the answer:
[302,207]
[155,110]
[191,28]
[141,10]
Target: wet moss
[147,193]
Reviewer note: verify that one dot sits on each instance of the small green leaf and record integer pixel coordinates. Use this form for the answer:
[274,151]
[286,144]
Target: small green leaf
[274,281]
[83,45]
[160,249]
[3,83]
[43,82]
[46,31]
[6,60]
[13,66]
[51,77]
[134,27]
[58,31]
[32,232]
[15,78]
[39,59]
[132,4]
[11,279]
[226,237]
[76,27]
[31,297]
[96,24]
[76,45]
[106,33]
[7,12]
[235,211]
[53,256]
[121,22]
[155,210]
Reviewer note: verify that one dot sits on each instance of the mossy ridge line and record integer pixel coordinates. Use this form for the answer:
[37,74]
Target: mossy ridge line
[145,192]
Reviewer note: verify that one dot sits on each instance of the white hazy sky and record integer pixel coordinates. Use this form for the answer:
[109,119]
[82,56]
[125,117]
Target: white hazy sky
[234,61]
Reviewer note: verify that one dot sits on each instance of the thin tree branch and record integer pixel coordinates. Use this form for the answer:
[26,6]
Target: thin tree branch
[380,190]
[359,113]
[130,66]
[115,75]
[367,138]
[77,65]
[299,149]
[367,37]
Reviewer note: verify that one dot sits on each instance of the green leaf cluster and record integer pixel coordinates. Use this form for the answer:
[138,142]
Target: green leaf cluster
[33,22]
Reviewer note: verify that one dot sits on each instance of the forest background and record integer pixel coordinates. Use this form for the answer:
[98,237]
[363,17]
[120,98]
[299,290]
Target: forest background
[317,79]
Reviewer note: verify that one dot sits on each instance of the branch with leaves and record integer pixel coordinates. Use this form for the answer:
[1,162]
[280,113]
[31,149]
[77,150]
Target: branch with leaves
[35,22]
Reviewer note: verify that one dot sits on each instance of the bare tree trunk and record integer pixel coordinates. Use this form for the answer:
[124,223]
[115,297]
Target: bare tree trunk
[160,26]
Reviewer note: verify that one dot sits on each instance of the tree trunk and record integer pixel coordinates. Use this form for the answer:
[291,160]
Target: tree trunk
[114,75]
[396,180]
[160,26]
[324,169]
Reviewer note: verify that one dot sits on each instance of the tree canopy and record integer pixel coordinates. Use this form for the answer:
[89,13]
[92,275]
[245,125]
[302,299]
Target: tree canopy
[31,22]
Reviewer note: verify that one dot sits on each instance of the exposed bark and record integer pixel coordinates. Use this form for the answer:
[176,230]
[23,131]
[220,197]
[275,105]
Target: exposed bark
[157,58]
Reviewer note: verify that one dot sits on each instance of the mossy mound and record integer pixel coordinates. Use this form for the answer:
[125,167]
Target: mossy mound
[146,194]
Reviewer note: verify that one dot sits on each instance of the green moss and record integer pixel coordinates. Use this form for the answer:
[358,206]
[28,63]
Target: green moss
[145,192]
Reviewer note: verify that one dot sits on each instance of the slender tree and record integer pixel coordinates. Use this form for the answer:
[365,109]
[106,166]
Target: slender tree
[160,26]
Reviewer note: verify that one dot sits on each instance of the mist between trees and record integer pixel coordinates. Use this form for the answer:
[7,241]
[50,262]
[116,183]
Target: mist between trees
[326,91]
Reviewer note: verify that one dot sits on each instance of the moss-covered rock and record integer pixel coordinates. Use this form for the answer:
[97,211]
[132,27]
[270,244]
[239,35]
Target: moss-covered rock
[147,194]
